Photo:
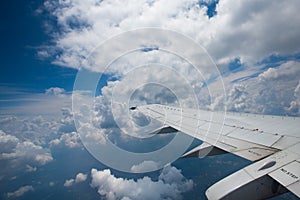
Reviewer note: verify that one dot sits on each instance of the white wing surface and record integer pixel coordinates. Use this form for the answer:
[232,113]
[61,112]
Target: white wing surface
[272,141]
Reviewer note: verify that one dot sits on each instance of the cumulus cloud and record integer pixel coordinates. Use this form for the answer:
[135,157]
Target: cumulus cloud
[20,192]
[70,140]
[237,98]
[286,71]
[80,177]
[43,159]
[54,142]
[8,142]
[295,103]
[56,91]
[33,128]
[69,182]
[14,150]
[272,91]
[24,141]
[170,185]
[275,89]
[248,30]
[39,129]
[67,121]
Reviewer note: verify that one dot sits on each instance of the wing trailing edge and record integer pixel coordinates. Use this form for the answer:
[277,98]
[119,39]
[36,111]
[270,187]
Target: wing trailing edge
[263,177]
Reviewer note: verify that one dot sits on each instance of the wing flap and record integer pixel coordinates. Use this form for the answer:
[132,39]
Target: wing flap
[288,176]
[241,184]
[254,177]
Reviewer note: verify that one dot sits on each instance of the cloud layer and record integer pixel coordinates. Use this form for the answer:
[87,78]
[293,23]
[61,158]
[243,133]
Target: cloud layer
[18,101]
[26,142]
[15,151]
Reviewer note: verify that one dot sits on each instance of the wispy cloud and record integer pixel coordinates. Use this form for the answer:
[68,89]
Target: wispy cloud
[20,192]
[20,101]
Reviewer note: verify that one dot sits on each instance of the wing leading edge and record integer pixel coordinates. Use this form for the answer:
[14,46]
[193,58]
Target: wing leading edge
[272,141]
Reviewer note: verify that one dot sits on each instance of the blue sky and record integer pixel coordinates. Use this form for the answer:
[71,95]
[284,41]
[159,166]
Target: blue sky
[23,73]
[44,43]
[22,34]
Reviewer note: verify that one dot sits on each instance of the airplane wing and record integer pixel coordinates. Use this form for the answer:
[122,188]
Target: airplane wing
[273,142]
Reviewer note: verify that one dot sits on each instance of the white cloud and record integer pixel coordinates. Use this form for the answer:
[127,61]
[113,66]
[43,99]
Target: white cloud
[54,142]
[24,142]
[170,185]
[32,128]
[20,192]
[69,182]
[254,27]
[80,177]
[145,166]
[297,90]
[209,1]
[237,98]
[293,108]
[248,30]
[8,142]
[56,91]
[43,158]
[70,140]
[286,71]
[294,105]
[272,91]
[30,168]
[16,151]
